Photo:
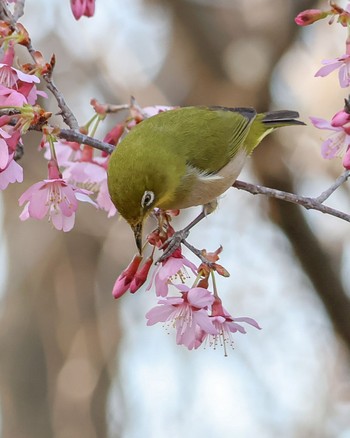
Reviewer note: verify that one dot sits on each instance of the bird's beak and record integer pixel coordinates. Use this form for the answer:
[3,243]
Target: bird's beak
[137,229]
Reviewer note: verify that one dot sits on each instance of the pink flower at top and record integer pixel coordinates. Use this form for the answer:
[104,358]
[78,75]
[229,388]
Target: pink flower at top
[337,144]
[54,197]
[225,325]
[173,266]
[188,314]
[82,7]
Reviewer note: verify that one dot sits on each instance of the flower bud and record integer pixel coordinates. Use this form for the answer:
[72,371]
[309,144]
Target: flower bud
[141,276]
[125,278]
[309,16]
[346,159]
[340,118]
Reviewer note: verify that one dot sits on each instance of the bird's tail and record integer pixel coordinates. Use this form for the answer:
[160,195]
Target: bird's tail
[275,119]
[265,123]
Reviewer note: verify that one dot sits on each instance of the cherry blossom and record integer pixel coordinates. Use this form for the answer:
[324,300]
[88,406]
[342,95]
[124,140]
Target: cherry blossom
[188,314]
[54,197]
[337,144]
[173,266]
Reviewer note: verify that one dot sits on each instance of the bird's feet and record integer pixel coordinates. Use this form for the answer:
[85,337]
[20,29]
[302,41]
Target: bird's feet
[173,243]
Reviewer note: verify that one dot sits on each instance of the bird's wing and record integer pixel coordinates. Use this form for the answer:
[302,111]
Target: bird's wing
[218,134]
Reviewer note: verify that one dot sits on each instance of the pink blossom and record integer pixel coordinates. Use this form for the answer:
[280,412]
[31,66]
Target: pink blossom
[173,266]
[56,198]
[336,144]
[12,173]
[342,63]
[225,325]
[82,7]
[188,314]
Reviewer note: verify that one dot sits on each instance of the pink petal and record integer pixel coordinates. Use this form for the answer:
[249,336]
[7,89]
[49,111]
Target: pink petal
[62,222]
[82,197]
[323,124]
[159,314]
[24,77]
[26,196]
[25,213]
[38,204]
[200,297]
[4,154]
[12,173]
[204,321]
[69,203]
[334,145]
[343,75]
[248,320]
[329,68]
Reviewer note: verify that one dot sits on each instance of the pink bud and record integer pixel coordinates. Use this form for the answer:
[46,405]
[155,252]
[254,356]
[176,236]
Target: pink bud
[114,134]
[340,119]
[309,16]
[346,159]
[221,270]
[54,172]
[141,276]
[216,308]
[125,278]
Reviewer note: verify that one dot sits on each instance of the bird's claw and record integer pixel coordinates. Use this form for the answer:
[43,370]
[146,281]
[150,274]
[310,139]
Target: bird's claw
[172,244]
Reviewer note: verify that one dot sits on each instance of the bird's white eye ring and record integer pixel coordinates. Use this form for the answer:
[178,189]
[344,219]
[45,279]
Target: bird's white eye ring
[147,199]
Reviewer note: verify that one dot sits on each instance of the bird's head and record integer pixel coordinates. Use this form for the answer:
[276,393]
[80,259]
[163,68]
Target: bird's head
[136,210]
[142,175]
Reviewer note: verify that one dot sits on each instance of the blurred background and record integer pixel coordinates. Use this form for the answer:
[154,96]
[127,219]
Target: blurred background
[76,363]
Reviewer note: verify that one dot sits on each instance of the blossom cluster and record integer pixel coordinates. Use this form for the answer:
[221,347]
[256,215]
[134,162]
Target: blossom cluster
[196,313]
[338,143]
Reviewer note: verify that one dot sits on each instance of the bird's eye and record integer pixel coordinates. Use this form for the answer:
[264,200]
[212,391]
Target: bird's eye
[147,199]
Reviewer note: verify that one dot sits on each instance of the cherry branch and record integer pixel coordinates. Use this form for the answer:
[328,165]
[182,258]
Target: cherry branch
[71,135]
[337,183]
[306,202]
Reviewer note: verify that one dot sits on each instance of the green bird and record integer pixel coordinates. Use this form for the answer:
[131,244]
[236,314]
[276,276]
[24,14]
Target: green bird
[185,157]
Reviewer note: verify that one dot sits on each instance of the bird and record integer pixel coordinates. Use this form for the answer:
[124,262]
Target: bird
[185,157]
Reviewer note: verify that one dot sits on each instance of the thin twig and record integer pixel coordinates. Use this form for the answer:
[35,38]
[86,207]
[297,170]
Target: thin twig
[71,135]
[306,202]
[337,183]
[198,253]
[18,9]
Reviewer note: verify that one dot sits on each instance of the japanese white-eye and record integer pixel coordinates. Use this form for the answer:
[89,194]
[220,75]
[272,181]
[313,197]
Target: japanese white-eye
[185,157]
